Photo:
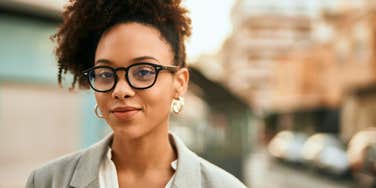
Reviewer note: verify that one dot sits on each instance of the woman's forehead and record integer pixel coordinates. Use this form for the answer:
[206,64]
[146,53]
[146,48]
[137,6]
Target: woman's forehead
[144,59]
[128,41]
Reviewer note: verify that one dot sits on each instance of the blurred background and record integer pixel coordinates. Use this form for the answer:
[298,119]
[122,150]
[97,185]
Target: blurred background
[282,92]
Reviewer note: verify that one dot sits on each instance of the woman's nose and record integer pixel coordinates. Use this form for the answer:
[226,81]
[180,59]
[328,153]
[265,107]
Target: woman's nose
[122,89]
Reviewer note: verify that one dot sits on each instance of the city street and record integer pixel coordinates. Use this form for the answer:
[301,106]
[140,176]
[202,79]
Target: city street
[264,172]
[241,82]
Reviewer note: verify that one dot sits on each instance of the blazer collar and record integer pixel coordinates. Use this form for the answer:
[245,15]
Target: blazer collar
[86,172]
[187,175]
[188,172]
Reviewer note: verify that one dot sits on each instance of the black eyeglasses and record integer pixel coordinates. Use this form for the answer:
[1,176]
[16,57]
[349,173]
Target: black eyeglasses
[138,76]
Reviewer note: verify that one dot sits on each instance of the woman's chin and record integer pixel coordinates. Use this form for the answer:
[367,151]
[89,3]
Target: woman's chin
[129,131]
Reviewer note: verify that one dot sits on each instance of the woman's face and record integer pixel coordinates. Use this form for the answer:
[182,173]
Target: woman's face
[133,112]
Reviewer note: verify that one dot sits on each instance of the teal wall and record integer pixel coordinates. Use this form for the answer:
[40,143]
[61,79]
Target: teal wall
[93,128]
[26,53]
[26,57]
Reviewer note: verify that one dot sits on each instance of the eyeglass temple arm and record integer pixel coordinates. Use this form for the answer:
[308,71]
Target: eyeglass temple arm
[171,68]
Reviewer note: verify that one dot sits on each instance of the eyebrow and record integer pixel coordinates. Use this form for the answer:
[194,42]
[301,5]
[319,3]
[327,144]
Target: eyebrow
[106,61]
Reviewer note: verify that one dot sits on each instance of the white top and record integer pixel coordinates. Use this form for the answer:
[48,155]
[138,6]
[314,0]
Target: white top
[108,176]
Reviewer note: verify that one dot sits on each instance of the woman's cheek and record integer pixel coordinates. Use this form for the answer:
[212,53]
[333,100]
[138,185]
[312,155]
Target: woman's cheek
[103,103]
[159,103]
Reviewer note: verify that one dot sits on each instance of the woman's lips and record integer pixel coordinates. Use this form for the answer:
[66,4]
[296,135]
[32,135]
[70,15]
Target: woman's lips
[125,113]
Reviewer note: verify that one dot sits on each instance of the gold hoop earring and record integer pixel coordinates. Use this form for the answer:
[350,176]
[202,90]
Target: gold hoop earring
[177,105]
[98,113]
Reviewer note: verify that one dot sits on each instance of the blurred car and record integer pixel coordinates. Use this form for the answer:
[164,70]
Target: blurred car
[362,156]
[287,145]
[326,152]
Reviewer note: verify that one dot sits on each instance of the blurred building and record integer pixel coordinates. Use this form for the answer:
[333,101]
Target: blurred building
[296,61]
[264,32]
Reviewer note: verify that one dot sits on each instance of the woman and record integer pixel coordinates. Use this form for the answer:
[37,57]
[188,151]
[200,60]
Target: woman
[132,54]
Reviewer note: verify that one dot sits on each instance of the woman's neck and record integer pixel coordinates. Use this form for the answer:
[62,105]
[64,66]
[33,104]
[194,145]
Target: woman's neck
[150,152]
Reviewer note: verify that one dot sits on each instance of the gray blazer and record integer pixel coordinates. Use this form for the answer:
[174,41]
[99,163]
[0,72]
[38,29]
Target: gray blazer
[80,169]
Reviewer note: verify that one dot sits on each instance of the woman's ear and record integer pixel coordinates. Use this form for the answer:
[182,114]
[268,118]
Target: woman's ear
[181,81]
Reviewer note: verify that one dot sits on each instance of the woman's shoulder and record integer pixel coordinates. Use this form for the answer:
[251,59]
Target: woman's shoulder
[56,169]
[66,161]
[217,177]
[70,168]
[196,171]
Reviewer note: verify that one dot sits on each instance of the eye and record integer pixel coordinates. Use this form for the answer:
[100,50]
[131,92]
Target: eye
[105,75]
[102,74]
[143,72]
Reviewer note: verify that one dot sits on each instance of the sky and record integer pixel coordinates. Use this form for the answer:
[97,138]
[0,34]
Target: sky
[211,25]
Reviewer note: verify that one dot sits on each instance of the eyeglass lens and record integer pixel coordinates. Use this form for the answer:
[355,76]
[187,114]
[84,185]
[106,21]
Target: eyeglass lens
[138,76]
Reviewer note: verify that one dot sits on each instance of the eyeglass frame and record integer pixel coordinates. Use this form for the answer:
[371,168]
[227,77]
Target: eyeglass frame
[157,67]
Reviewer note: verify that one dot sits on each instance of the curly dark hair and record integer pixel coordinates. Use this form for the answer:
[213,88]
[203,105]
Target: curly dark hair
[84,21]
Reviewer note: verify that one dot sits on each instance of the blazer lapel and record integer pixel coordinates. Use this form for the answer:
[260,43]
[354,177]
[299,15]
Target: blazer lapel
[188,171]
[86,172]
[93,184]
